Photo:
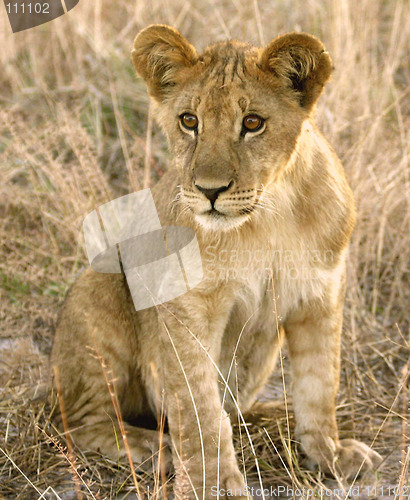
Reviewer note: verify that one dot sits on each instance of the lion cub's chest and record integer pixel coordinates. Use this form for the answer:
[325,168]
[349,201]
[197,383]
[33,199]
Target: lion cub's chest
[291,274]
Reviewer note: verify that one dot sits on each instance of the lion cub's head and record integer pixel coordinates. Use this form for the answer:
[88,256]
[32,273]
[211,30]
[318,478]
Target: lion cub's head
[232,115]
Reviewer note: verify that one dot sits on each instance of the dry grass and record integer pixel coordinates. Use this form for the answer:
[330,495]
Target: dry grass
[73,124]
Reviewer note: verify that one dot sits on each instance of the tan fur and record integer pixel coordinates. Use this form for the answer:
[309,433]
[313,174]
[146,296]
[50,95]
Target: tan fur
[273,259]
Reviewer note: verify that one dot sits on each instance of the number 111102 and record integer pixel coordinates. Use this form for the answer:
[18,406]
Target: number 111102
[28,8]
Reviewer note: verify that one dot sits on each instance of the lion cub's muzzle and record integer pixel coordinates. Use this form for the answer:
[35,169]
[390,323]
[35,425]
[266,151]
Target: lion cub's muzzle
[220,206]
[213,193]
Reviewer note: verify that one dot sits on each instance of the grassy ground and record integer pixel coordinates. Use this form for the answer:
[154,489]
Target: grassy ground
[73,123]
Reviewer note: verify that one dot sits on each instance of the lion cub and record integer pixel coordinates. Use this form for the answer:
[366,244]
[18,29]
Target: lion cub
[272,211]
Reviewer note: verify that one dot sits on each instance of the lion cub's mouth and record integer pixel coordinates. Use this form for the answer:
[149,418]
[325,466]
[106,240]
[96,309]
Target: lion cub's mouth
[213,212]
[230,210]
[215,220]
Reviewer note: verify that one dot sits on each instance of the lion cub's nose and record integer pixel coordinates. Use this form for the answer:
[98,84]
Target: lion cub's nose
[213,193]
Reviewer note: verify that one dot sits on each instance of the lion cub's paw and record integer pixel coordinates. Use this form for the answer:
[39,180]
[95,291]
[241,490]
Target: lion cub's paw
[354,457]
[235,487]
[149,458]
[346,458]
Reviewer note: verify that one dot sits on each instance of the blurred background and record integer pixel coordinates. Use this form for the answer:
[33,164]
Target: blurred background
[76,131]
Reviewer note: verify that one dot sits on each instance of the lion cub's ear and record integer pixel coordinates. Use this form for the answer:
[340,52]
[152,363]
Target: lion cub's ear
[302,61]
[158,55]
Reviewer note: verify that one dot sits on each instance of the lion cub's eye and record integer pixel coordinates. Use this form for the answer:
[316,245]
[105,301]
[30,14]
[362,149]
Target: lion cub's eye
[252,123]
[189,121]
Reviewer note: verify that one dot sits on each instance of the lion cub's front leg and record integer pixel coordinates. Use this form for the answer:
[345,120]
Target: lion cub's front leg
[313,335]
[204,456]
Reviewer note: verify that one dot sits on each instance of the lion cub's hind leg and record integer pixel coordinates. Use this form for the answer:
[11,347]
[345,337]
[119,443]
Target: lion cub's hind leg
[95,424]
[146,447]
[94,355]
